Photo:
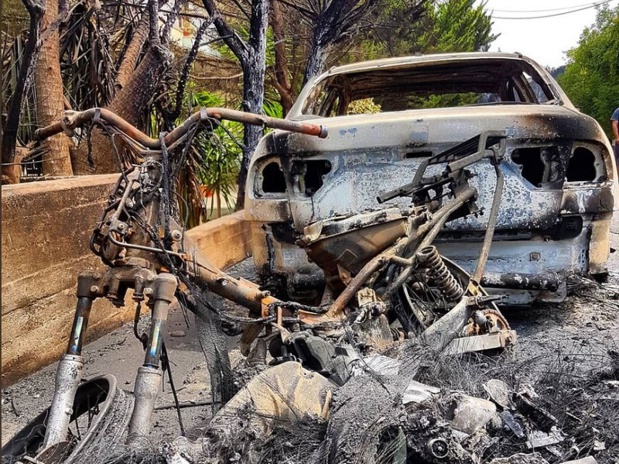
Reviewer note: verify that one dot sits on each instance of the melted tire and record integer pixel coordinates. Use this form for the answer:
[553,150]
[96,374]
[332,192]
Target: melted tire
[100,406]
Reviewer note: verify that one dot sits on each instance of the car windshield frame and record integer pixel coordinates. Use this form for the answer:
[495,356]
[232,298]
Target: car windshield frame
[504,81]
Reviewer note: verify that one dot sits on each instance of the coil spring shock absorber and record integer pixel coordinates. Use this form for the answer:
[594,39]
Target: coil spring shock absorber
[429,259]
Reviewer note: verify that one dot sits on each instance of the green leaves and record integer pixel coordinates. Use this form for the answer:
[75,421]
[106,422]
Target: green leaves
[430,27]
[457,26]
[215,158]
[591,75]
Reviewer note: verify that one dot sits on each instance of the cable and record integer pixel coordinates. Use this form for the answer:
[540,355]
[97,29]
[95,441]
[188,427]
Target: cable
[563,8]
[593,5]
[165,363]
[24,163]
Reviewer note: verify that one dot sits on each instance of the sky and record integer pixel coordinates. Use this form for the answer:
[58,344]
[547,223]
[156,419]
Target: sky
[546,39]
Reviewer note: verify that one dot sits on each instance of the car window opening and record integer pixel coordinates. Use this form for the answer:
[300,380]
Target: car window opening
[316,170]
[427,86]
[532,165]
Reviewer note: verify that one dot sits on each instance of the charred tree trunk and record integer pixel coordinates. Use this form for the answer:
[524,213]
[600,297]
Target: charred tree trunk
[252,57]
[316,60]
[9,130]
[50,94]
[282,80]
[336,21]
[323,36]
[254,71]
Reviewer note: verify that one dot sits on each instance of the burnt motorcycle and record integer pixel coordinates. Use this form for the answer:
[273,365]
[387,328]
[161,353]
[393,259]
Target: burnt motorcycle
[384,282]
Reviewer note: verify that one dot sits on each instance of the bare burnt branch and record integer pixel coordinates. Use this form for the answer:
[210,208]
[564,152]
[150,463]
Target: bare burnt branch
[306,13]
[242,10]
[232,39]
[153,26]
[172,15]
[182,81]
[331,25]
[9,139]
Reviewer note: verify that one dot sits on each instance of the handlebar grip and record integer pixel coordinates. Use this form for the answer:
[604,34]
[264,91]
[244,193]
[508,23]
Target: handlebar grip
[391,194]
[48,131]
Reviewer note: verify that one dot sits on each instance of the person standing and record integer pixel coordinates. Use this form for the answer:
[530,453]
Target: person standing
[614,122]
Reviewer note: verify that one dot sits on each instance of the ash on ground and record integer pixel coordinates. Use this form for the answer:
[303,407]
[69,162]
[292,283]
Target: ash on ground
[552,399]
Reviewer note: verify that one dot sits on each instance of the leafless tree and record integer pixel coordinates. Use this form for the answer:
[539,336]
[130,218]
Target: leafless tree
[333,21]
[10,171]
[252,58]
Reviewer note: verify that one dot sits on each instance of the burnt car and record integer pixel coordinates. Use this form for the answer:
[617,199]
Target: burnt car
[386,117]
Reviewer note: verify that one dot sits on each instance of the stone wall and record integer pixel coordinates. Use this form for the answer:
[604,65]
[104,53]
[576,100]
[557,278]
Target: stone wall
[46,228]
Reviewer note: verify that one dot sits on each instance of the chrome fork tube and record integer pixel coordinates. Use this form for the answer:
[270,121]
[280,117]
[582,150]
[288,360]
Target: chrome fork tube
[68,376]
[149,374]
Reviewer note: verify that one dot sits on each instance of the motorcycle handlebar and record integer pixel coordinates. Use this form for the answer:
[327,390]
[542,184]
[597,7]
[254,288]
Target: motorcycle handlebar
[73,119]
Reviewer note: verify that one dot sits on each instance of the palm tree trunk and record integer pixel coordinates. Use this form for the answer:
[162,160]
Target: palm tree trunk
[132,54]
[129,103]
[50,95]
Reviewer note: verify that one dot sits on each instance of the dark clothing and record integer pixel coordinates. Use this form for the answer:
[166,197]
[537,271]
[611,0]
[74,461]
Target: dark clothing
[615,117]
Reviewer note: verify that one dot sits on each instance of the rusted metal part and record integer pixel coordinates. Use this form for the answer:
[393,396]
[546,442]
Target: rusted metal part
[247,294]
[550,281]
[457,332]
[349,243]
[429,259]
[429,231]
[353,287]
[370,306]
[375,263]
[485,321]
[74,119]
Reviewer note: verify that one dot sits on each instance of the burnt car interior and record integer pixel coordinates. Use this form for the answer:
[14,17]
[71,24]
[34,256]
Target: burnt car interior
[542,163]
[308,174]
[430,86]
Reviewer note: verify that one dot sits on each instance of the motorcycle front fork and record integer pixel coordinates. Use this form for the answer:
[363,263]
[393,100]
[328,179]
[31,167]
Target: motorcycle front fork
[148,379]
